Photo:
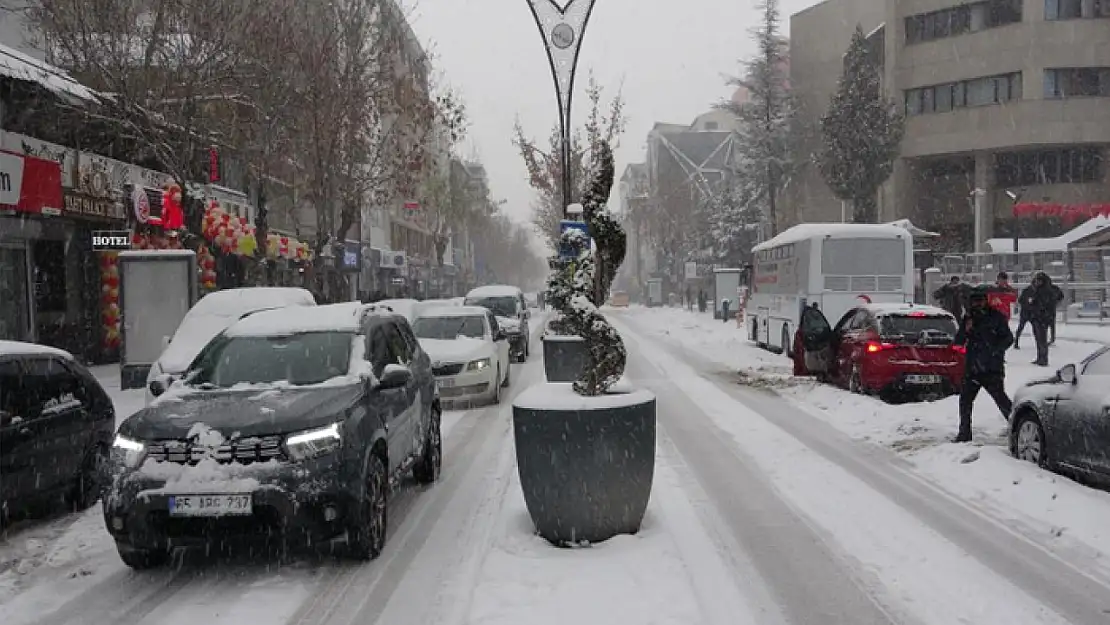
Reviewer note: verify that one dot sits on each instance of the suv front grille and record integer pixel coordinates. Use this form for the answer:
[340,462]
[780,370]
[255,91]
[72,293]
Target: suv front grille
[242,451]
[451,369]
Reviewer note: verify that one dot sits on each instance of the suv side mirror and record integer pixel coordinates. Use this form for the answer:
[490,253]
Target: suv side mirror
[394,376]
[1067,374]
[159,385]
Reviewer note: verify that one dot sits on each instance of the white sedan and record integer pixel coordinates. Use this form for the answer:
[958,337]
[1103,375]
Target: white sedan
[469,352]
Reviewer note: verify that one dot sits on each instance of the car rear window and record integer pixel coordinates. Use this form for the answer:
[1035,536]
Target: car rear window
[912,325]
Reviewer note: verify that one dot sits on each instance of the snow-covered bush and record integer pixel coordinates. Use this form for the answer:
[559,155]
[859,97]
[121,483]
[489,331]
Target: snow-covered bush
[577,288]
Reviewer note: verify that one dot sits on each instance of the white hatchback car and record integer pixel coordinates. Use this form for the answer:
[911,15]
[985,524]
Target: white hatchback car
[469,352]
[213,314]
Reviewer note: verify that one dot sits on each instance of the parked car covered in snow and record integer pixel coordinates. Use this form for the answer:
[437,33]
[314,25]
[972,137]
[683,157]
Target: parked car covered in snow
[902,349]
[56,424]
[469,352]
[508,304]
[292,422]
[1063,422]
[210,316]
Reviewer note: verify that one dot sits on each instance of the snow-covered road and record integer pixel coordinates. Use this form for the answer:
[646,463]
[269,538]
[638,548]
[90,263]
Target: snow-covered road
[762,512]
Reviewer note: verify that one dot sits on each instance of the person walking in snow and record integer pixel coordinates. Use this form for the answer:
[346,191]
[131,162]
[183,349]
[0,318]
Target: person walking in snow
[951,297]
[1041,298]
[986,336]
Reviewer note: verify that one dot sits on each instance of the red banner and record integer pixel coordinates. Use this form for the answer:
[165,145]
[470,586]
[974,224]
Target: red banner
[1069,213]
[30,185]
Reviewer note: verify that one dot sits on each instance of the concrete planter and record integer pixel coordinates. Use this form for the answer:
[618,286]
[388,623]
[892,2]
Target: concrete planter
[586,464]
[563,357]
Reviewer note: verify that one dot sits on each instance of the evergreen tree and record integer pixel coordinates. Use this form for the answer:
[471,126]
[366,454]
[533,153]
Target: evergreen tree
[766,117]
[861,133]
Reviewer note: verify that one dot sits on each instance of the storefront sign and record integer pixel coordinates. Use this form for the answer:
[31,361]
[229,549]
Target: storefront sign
[30,146]
[95,207]
[99,177]
[111,240]
[30,185]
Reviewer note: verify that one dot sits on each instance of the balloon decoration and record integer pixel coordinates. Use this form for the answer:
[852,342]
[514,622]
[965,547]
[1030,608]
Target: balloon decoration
[1068,213]
[278,246]
[229,233]
[207,268]
[143,241]
[109,300]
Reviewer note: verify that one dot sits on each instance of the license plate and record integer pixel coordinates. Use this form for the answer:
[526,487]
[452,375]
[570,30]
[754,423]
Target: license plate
[445,382]
[923,379]
[211,505]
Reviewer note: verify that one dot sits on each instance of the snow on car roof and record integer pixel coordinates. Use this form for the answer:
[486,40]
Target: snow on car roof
[906,309]
[494,290]
[454,311]
[804,232]
[238,301]
[19,348]
[344,317]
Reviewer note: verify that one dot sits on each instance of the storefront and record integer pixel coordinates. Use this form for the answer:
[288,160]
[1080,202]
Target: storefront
[32,245]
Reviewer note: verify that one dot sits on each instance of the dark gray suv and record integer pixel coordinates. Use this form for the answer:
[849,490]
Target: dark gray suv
[292,423]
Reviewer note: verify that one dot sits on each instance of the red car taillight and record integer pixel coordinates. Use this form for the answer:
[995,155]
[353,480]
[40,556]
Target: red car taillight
[959,349]
[874,346]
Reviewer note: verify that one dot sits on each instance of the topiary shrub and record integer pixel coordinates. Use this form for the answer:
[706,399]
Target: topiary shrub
[577,288]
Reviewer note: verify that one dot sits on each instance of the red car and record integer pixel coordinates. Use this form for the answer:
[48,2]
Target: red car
[887,349]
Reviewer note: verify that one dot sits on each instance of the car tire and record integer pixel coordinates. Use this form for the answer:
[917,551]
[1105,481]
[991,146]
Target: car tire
[496,399]
[86,487]
[855,380]
[142,559]
[508,377]
[366,531]
[427,469]
[1028,439]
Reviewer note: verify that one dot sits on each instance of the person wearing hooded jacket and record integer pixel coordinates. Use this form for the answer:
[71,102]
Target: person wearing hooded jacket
[1040,299]
[986,335]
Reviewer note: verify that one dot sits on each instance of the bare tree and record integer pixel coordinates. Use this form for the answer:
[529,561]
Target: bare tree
[172,71]
[545,169]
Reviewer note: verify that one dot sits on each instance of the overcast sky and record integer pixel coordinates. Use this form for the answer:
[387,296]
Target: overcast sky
[669,57]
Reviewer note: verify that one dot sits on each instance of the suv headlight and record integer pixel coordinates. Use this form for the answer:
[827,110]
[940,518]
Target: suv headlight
[313,443]
[128,452]
[478,365]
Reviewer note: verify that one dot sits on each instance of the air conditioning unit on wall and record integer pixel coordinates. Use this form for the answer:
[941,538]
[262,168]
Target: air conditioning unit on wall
[392,259]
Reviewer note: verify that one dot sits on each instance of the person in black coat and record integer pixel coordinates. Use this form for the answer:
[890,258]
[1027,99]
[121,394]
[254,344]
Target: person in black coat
[986,335]
[951,296]
[1041,298]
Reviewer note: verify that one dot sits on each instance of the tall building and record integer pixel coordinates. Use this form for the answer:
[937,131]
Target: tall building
[1003,98]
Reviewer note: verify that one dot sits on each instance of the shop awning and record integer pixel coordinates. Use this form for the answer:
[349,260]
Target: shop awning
[17,65]
[30,185]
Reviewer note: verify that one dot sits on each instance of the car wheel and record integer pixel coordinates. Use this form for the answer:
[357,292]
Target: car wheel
[497,387]
[142,559]
[366,533]
[427,469]
[855,380]
[1029,440]
[508,377]
[86,488]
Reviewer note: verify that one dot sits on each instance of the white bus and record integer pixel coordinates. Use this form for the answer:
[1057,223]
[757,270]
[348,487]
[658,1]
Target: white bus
[831,265]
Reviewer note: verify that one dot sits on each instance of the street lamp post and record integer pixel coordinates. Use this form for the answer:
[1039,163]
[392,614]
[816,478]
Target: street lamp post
[562,25]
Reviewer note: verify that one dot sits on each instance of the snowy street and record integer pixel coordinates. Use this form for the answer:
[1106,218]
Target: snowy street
[763,511]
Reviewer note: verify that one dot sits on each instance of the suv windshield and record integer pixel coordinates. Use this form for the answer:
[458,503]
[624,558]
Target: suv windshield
[500,306]
[306,358]
[914,325]
[449,328]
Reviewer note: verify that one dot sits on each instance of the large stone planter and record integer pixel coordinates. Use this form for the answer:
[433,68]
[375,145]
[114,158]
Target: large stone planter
[563,357]
[586,464]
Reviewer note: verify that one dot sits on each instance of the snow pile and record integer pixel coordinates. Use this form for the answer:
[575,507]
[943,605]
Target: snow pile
[207,477]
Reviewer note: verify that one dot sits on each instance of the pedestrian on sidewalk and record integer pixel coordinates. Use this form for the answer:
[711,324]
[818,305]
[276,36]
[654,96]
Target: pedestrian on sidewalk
[725,303]
[951,296]
[701,301]
[986,336]
[689,299]
[1041,298]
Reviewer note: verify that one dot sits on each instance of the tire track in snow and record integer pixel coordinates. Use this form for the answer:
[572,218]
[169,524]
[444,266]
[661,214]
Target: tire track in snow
[358,594]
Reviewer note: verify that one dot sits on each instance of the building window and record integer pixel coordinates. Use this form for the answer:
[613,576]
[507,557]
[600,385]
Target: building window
[977,92]
[1063,166]
[1076,82]
[1076,9]
[963,19]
